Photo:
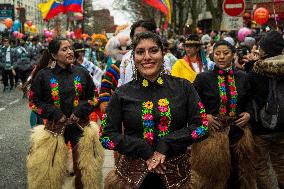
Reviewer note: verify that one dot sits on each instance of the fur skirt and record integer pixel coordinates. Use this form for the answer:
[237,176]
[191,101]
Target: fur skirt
[211,161]
[49,163]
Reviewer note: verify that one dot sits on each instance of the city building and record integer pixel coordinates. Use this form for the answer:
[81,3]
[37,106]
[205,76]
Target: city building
[27,10]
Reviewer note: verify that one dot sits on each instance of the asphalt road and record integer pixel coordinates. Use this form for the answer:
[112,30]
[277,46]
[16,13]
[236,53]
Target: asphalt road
[14,139]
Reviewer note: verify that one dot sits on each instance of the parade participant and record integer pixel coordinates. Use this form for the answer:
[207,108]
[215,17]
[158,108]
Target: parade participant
[169,58]
[267,81]
[90,54]
[95,72]
[63,94]
[36,48]
[224,159]
[162,115]
[24,61]
[194,61]
[7,59]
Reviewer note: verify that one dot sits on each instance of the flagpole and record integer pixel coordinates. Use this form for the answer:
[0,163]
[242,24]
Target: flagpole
[274,12]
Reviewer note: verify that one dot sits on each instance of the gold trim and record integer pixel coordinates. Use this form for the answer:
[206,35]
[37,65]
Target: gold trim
[76,50]
[191,42]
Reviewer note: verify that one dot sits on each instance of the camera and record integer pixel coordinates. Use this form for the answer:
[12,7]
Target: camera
[241,52]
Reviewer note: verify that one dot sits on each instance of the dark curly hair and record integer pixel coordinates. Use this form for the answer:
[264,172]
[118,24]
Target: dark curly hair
[149,26]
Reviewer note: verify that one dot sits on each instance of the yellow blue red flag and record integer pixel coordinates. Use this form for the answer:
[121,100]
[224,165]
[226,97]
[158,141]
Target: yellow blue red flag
[50,9]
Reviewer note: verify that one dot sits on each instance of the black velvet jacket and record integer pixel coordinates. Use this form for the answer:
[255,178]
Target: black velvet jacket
[56,92]
[206,84]
[165,116]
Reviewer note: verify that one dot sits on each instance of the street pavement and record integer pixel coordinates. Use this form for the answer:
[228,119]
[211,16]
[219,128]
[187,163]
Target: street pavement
[14,141]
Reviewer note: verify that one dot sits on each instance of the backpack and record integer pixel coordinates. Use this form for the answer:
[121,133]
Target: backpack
[272,114]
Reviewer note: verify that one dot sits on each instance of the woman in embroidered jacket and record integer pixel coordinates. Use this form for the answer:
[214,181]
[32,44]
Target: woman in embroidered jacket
[63,94]
[224,159]
[162,115]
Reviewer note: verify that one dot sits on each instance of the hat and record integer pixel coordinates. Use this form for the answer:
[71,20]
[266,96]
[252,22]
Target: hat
[205,39]
[78,47]
[272,43]
[230,40]
[192,40]
[249,41]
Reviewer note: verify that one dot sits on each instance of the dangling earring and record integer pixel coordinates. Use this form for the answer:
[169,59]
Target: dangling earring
[52,64]
[134,75]
[134,69]
[163,69]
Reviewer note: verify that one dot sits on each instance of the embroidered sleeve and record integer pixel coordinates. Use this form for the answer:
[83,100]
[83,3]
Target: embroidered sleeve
[38,105]
[109,82]
[111,133]
[177,141]
[84,104]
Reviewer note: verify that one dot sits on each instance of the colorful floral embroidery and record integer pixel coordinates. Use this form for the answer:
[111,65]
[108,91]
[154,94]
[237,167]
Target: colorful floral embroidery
[145,83]
[203,129]
[165,117]
[106,142]
[55,92]
[160,81]
[223,93]
[78,90]
[148,121]
[32,105]
[149,105]
[93,102]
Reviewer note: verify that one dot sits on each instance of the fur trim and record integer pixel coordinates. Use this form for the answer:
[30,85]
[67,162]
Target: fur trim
[91,157]
[69,181]
[244,150]
[46,161]
[211,162]
[271,67]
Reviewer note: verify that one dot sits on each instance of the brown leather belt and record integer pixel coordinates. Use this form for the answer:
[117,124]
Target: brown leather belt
[59,128]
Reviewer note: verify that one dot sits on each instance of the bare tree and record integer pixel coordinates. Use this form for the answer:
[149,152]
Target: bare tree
[216,12]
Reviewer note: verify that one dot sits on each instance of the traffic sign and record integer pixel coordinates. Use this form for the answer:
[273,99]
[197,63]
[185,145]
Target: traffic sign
[233,7]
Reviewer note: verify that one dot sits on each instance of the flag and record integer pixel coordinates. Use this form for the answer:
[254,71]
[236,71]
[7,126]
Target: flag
[163,5]
[50,9]
[73,6]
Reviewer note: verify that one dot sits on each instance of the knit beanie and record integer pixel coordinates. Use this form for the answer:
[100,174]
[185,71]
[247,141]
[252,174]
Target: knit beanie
[249,41]
[230,40]
[272,43]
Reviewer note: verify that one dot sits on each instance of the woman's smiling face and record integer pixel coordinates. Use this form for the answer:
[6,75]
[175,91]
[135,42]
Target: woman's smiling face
[148,58]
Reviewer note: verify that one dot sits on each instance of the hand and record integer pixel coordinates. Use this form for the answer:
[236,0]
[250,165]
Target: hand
[62,119]
[160,169]
[213,122]
[250,57]
[74,118]
[103,106]
[155,160]
[243,119]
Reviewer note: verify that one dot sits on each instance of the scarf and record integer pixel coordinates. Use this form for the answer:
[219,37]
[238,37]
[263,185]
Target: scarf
[228,92]
[8,55]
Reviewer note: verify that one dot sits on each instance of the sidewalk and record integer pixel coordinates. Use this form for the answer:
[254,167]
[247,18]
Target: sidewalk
[108,163]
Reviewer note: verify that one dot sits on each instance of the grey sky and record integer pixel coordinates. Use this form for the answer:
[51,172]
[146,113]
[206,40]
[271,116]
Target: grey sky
[119,17]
